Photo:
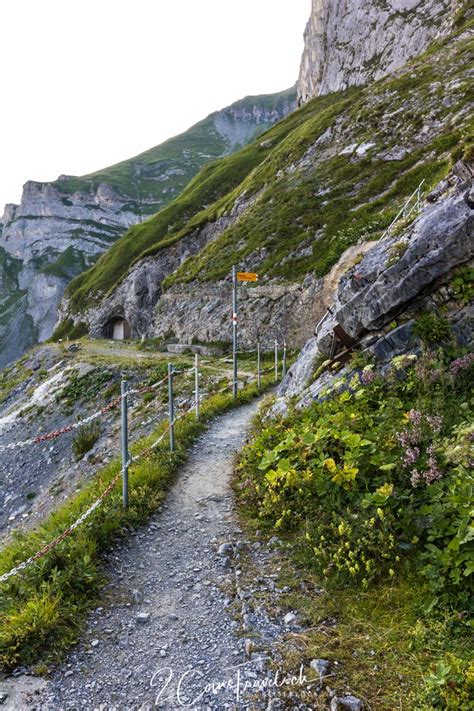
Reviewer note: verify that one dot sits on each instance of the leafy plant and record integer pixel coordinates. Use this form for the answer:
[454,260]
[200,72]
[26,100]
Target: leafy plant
[392,454]
[85,439]
[396,253]
[84,387]
[431,328]
[450,686]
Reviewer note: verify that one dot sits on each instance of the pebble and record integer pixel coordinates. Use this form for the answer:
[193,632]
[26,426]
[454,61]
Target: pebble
[226,549]
[321,666]
[143,617]
[346,702]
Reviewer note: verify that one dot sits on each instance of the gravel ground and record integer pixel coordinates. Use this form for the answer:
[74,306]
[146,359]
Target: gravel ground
[174,619]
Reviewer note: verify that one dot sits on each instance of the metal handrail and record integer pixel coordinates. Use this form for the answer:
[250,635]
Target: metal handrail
[403,212]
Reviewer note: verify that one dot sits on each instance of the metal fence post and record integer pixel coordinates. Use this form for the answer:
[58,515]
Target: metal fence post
[234,331]
[259,368]
[124,437]
[196,384]
[276,360]
[171,405]
[283,370]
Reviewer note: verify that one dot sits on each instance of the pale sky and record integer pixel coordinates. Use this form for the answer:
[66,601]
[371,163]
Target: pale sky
[87,84]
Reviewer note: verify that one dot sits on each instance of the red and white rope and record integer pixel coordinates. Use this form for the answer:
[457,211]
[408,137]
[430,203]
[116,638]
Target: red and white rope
[63,430]
[52,544]
[80,423]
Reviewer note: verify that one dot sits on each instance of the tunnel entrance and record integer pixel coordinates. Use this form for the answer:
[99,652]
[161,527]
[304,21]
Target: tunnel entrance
[118,329]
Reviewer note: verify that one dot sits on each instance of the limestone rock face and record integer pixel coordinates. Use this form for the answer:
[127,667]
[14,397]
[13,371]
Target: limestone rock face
[45,241]
[352,42]
[384,287]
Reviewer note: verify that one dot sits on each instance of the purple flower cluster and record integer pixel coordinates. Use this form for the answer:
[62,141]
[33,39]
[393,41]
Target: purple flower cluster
[410,438]
[430,475]
[415,417]
[411,455]
[367,377]
[461,363]
[435,422]
[433,473]
[406,438]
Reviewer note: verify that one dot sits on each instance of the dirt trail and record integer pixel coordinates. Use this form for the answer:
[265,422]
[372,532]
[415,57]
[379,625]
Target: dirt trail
[164,631]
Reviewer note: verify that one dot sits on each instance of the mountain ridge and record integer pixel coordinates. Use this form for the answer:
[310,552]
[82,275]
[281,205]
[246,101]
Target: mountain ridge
[60,228]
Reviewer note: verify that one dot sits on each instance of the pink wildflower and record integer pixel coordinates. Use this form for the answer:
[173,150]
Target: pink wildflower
[367,377]
[461,363]
[415,416]
[411,455]
[435,422]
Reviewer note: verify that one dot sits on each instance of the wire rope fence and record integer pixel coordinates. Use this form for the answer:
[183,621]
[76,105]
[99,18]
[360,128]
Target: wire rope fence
[128,460]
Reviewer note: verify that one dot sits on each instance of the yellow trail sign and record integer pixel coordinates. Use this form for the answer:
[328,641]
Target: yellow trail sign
[247,276]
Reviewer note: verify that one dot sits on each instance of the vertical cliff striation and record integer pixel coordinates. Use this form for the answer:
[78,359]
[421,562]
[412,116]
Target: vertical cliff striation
[352,42]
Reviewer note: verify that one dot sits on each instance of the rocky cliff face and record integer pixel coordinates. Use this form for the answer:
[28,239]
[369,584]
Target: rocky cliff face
[59,229]
[378,300]
[352,42]
[47,240]
[299,206]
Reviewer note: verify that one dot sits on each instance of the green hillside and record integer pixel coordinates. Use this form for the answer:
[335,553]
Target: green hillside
[322,179]
[182,156]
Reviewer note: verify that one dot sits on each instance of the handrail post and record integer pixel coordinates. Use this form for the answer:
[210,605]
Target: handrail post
[283,370]
[171,405]
[259,366]
[124,438]
[234,332]
[276,360]
[196,384]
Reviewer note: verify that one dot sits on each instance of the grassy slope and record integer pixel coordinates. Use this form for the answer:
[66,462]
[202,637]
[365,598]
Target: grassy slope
[202,201]
[362,194]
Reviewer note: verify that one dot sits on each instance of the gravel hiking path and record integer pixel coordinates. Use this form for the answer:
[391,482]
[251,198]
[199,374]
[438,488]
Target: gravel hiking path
[165,630]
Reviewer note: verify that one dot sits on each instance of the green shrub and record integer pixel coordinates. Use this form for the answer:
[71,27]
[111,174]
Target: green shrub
[374,474]
[450,686]
[84,387]
[462,284]
[69,329]
[86,437]
[431,328]
[355,547]
[448,556]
